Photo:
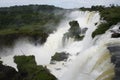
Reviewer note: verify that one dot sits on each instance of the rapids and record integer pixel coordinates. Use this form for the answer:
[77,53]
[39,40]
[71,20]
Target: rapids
[89,60]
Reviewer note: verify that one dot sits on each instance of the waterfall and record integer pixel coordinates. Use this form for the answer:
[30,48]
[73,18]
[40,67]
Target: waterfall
[85,19]
[94,61]
[44,52]
[89,60]
[93,64]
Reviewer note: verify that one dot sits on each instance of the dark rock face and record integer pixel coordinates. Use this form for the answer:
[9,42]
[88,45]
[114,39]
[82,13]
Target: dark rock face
[83,31]
[115,59]
[115,35]
[73,32]
[75,28]
[115,50]
[60,56]
[7,72]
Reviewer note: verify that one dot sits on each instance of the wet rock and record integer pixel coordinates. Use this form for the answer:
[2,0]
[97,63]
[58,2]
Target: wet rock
[7,72]
[115,35]
[75,28]
[114,50]
[83,31]
[73,32]
[96,23]
[52,62]
[60,56]
[58,68]
[115,59]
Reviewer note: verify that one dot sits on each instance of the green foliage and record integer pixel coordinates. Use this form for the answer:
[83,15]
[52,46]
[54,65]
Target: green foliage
[0,62]
[101,29]
[93,8]
[28,21]
[110,14]
[60,56]
[18,16]
[28,69]
[79,37]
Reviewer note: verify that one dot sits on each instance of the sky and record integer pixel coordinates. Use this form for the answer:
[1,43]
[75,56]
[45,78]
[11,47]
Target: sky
[60,3]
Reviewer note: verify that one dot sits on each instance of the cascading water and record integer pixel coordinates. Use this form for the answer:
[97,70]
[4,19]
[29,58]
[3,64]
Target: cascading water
[89,60]
[94,60]
[85,19]
[44,52]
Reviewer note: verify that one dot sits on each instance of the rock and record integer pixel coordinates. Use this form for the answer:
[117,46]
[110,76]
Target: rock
[96,23]
[7,72]
[52,62]
[60,56]
[115,32]
[115,59]
[83,31]
[75,28]
[73,32]
[114,50]
[58,68]
[115,35]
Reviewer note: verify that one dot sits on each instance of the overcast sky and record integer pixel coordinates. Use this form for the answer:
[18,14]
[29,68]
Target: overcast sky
[59,3]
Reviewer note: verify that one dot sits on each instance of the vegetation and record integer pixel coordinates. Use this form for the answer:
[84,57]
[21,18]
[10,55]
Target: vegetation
[32,20]
[110,14]
[101,29]
[18,16]
[27,70]
[60,56]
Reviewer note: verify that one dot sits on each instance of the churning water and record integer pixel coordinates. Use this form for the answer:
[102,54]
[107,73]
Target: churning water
[92,61]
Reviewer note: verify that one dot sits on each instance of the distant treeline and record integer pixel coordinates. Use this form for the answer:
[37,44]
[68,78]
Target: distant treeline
[18,16]
[36,21]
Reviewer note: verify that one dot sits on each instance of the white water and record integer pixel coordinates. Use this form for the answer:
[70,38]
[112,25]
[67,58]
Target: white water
[85,19]
[93,61]
[44,52]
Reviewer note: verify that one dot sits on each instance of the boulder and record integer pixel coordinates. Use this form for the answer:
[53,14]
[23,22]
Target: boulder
[73,32]
[74,28]
[60,56]
[7,72]
[115,35]
[83,31]
[115,59]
